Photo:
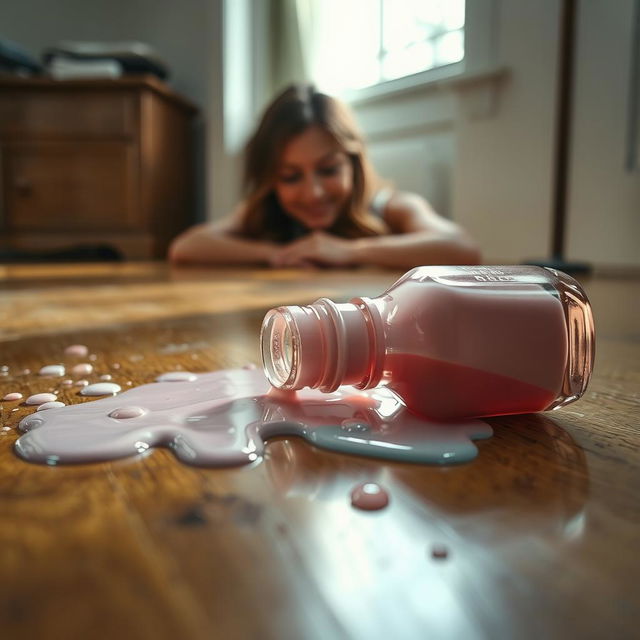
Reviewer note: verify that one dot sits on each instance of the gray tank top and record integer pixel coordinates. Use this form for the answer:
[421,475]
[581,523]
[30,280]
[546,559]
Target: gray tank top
[379,201]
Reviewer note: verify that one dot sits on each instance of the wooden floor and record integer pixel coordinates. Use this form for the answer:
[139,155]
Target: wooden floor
[542,530]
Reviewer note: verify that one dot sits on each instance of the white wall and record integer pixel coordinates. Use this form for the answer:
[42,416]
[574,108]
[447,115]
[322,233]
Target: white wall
[411,141]
[604,190]
[502,185]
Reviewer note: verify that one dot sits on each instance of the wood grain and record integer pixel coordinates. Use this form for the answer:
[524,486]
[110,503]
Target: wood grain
[541,530]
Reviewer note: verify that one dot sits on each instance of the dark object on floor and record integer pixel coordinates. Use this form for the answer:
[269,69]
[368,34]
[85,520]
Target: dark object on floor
[79,253]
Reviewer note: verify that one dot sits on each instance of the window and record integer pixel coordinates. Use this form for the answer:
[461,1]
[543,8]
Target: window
[360,43]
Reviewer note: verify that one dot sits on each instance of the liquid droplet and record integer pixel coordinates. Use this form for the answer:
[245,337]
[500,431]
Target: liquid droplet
[439,551]
[79,350]
[31,423]
[50,405]
[124,413]
[354,426]
[177,376]
[41,398]
[369,496]
[101,389]
[52,370]
[83,369]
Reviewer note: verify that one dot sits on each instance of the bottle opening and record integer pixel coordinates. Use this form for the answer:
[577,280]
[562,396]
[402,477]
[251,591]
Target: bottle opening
[277,347]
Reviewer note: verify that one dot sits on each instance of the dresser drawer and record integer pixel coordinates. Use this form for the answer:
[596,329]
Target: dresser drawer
[77,186]
[59,114]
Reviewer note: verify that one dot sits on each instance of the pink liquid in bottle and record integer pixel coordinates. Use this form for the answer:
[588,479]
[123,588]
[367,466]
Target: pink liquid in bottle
[452,342]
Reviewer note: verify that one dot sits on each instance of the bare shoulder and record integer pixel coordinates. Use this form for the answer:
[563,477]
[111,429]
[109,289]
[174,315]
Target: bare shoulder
[406,212]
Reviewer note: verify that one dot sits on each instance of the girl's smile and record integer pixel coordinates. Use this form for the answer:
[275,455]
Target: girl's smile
[315,179]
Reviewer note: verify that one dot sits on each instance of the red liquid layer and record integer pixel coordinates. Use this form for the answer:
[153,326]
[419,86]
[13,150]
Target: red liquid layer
[444,391]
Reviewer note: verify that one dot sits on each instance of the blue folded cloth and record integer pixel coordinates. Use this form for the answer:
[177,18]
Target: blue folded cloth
[14,59]
[133,57]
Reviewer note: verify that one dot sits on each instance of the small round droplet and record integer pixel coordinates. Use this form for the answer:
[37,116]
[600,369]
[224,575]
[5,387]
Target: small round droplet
[116,365]
[106,376]
[26,372]
[41,398]
[101,389]
[14,395]
[31,423]
[125,413]
[354,426]
[83,369]
[369,496]
[439,551]
[50,405]
[52,370]
[177,376]
[79,350]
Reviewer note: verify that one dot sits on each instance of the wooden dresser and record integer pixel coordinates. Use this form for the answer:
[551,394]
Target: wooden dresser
[94,162]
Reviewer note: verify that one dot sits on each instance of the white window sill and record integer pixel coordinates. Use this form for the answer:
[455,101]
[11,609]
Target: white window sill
[480,84]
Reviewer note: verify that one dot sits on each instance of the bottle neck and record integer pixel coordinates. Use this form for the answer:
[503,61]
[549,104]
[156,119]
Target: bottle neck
[323,345]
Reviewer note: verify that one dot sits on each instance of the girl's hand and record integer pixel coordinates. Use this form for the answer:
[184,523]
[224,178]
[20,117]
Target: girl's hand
[318,248]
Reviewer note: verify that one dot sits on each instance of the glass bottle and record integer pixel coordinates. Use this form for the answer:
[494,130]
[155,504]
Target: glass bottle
[452,341]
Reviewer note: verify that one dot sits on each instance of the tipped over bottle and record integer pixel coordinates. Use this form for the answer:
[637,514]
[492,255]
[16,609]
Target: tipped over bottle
[452,342]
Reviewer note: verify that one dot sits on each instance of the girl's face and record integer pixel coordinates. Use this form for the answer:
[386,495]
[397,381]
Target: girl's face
[314,181]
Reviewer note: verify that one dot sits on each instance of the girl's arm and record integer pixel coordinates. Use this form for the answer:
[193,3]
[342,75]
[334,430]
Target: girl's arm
[218,243]
[418,236]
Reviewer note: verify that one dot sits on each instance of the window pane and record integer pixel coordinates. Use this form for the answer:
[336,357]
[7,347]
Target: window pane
[400,26]
[344,60]
[413,59]
[449,48]
[359,43]
[420,34]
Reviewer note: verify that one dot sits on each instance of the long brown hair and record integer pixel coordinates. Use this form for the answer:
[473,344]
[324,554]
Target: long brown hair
[298,107]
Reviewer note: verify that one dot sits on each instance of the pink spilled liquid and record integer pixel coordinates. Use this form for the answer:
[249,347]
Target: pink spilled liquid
[225,417]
